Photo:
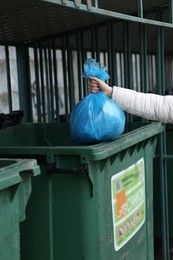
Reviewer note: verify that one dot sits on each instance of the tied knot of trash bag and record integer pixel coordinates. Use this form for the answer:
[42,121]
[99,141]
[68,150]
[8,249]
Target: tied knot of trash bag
[93,69]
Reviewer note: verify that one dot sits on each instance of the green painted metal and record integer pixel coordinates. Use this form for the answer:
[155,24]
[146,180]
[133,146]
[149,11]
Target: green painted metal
[69,215]
[171,11]
[71,81]
[127,61]
[169,159]
[57,95]
[51,91]
[37,82]
[64,63]
[24,82]
[140,8]
[42,84]
[46,83]
[163,163]
[15,190]
[8,77]
[111,14]
[143,58]
[79,65]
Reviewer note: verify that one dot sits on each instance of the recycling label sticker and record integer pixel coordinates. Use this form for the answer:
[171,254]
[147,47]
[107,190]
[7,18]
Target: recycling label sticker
[128,202]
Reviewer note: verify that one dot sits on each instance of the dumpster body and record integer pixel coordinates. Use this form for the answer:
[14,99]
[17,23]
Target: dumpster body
[15,189]
[90,202]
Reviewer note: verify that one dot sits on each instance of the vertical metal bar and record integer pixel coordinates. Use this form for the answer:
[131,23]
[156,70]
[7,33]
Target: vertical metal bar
[168,70]
[96,3]
[143,70]
[163,173]
[127,57]
[140,8]
[79,65]
[160,61]
[28,78]
[164,199]
[8,78]
[37,83]
[133,69]
[70,75]
[143,58]
[105,58]
[127,61]
[136,72]
[151,67]
[152,72]
[55,67]
[64,62]
[93,43]
[42,83]
[171,11]
[111,54]
[23,72]
[84,56]
[47,87]
[50,77]
[171,69]
[121,56]
[97,44]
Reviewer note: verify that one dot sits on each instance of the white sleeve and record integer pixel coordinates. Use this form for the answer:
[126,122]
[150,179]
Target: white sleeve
[150,106]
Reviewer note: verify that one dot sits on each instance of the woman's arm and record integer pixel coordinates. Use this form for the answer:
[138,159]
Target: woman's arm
[149,106]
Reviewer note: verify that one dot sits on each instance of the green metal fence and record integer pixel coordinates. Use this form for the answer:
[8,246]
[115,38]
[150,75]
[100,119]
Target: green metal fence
[41,73]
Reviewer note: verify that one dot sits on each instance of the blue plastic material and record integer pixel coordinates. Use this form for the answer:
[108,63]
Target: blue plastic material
[91,68]
[96,118]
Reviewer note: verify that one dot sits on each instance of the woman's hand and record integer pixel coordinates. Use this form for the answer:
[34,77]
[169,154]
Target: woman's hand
[96,84]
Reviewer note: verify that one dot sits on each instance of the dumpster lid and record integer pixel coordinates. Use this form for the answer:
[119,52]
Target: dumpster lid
[10,170]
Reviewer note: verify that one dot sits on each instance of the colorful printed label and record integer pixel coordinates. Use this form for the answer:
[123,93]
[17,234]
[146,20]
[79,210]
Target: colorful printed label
[128,202]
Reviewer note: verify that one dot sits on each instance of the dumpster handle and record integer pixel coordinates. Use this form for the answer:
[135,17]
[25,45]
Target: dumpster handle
[51,168]
[82,170]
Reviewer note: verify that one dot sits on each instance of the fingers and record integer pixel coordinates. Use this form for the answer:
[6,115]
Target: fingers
[93,86]
[95,79]
[96,84]
[93,90]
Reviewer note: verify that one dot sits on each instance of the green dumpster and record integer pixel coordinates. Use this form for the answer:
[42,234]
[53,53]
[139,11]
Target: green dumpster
[15,189]
[90,202]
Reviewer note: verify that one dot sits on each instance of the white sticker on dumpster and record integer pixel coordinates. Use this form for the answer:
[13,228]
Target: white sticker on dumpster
[128,202]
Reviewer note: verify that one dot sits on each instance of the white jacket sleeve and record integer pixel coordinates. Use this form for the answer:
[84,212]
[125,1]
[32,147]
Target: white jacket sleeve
[149,106]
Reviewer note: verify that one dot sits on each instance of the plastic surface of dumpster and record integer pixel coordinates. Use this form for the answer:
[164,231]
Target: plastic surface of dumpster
[15,189]
[90,202]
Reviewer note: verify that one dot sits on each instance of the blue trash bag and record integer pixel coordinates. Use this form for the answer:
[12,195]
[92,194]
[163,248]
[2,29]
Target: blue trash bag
[96,118]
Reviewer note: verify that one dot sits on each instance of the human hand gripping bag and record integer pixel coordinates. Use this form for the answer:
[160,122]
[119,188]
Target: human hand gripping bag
[96,118]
